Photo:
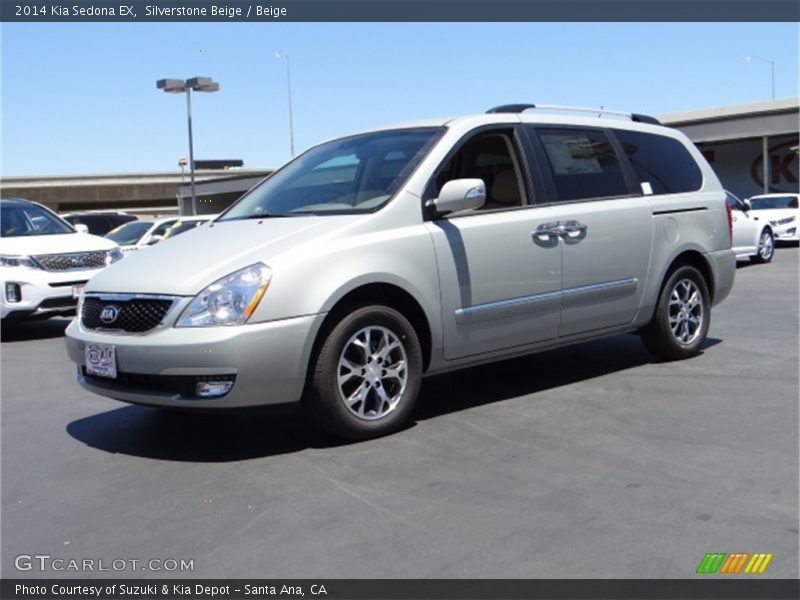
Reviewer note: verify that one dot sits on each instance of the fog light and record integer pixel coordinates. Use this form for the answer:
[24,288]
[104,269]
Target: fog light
[212,389]
[13,293]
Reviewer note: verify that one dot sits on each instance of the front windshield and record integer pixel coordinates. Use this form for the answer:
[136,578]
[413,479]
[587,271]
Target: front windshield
[180,227]
[129,233]
[352,175]
[772,202]
[18,220]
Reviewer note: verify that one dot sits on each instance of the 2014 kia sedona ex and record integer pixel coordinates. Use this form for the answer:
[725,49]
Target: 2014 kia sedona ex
[371,260]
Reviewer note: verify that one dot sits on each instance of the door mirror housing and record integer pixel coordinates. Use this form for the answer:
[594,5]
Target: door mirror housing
[460,194]
[81,228]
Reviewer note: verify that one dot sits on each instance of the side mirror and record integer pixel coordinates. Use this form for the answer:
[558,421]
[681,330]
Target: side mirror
[81,228]
[460,194]
[746,205]
[154,240]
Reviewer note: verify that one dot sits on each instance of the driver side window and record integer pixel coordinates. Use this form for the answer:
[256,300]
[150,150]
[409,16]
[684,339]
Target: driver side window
[491,157]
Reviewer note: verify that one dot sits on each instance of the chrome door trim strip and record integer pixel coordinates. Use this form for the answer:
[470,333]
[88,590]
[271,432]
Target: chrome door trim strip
[600,292]
[545,302]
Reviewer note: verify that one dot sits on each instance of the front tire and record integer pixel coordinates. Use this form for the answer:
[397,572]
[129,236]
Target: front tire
[766,247]
[680,323]
[366,376]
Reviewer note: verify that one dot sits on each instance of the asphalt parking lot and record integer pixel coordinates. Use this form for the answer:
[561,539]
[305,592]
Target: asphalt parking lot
[592,461]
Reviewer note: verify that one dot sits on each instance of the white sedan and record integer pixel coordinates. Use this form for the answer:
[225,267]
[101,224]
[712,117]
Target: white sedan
[146,232]
[782,213]
[753,235]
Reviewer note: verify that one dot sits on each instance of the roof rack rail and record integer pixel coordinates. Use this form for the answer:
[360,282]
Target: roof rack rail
[518,108]
[510,108]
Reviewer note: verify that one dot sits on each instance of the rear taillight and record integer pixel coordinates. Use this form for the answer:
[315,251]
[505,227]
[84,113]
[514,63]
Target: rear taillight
[729,214]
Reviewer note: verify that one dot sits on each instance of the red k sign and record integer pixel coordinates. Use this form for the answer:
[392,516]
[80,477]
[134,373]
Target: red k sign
[782,168]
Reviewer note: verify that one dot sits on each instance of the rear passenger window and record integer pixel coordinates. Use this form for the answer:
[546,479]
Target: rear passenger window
[583,164]
[661,162]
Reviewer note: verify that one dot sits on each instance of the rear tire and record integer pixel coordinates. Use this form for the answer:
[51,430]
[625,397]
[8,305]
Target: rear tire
[766,248]
[366,376]
[680,323]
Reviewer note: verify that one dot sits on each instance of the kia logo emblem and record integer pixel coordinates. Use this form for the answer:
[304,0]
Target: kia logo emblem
[109,314]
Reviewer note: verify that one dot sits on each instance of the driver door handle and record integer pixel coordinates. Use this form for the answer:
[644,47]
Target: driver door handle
[570,229]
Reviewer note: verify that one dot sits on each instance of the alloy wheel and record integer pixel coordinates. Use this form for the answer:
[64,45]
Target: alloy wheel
[686,311]
[766,246]
[372,373]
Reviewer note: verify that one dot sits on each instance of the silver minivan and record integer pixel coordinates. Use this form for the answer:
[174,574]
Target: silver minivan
[372,260]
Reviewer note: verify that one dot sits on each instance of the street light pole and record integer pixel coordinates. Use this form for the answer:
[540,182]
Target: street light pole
[182,164]
[279,54]
[191,148]
[772,69]
[177,86]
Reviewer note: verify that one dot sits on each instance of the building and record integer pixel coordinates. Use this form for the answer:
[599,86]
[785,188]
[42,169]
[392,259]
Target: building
[142,193]
[735,140]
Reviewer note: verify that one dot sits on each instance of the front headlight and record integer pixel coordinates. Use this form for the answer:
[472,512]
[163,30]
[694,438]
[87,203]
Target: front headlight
[18,261]
[113,255]
[786,221]
[228,301]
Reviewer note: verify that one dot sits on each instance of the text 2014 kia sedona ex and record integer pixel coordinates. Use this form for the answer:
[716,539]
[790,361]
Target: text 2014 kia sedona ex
[374,259]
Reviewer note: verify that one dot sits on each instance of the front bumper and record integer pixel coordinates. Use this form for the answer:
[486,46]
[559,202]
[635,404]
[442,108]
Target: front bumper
[267,360]
[42,292]
[787,233]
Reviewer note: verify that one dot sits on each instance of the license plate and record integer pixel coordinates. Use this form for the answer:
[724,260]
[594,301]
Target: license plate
[77,289]
[101,360]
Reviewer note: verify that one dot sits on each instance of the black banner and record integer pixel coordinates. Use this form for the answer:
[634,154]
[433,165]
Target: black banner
[399,10]
[744,588]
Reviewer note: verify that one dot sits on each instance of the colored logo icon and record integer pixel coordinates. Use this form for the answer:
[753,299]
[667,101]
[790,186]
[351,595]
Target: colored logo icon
[737,562]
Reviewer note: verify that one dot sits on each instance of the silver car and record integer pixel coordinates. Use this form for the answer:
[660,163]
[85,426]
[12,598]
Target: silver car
[372,260]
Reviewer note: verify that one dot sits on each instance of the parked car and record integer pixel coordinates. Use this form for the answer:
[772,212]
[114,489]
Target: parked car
[185,224]
[141,233]
[781,210]
[753,236]
[99,223]
[374,259]
[45,261]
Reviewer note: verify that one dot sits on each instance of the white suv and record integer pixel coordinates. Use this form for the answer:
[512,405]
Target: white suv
[45,261]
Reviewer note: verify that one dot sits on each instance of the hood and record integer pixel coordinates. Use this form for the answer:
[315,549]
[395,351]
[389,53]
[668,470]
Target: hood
[185,264]
[61,243]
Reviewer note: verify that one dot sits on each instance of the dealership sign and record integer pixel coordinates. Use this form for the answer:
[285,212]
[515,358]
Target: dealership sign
[740,165]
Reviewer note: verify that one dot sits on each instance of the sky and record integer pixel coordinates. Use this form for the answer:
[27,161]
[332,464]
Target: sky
[81,98]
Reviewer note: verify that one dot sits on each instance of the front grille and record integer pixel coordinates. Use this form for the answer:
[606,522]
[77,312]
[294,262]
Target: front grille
[134,315]
[76,261]
[67,283]
[65,302]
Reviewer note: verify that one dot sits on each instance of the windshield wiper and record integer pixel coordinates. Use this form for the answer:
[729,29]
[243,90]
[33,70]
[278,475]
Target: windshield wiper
[245,218]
